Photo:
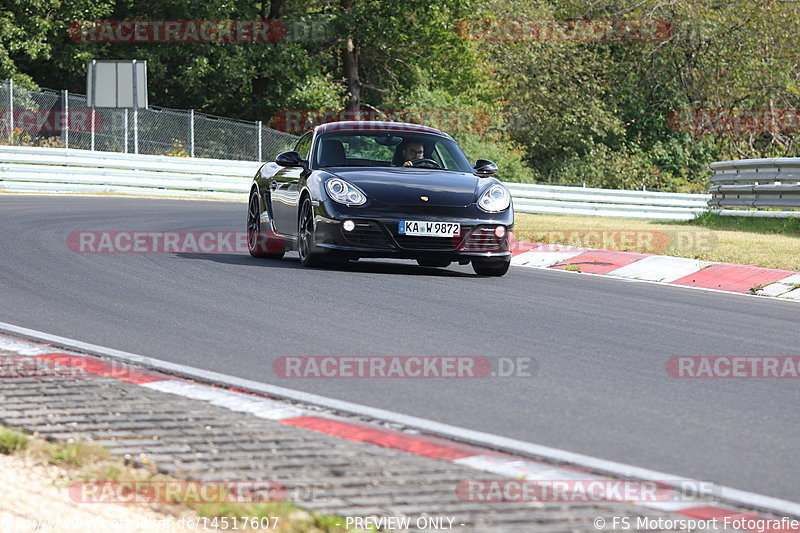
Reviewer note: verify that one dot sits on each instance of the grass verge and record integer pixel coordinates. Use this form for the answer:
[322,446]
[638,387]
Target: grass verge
[80,463]
[770,243]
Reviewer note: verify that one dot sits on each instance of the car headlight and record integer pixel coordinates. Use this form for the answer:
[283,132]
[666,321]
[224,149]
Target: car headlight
[494,199]
[344,193]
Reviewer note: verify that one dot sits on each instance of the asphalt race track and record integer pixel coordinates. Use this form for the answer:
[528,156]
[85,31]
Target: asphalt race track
[601,344]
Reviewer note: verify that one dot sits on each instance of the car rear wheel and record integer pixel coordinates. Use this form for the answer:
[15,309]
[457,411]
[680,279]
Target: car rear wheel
[437,263]
[306,245]
[257,241]
[490,267]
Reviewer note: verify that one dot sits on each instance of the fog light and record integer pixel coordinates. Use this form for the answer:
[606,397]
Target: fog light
[500,231]
[349,225]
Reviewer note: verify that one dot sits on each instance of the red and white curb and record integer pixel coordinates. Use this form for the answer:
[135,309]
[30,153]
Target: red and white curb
[426,438]
[726,277]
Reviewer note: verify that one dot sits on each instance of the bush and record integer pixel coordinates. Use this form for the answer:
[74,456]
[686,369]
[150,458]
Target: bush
[22,138]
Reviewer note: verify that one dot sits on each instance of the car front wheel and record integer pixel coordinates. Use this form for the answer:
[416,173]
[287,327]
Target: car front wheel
[306,245]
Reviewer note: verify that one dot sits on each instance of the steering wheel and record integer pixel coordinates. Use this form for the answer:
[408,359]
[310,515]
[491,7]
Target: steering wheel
[425,163]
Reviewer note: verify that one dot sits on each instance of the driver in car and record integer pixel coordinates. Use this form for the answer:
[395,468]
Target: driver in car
[411,152]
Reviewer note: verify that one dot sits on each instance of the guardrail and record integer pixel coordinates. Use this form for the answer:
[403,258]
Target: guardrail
[562,200]
[756,184]
[59,170]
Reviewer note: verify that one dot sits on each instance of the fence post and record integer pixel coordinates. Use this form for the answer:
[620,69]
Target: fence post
[135,130]
[65,107]
[92,128]
[191,133]
[126,130]
[258,125]
[11,110]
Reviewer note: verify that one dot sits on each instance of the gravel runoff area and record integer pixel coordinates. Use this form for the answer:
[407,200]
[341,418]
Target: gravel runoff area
[193,440]
[33,502]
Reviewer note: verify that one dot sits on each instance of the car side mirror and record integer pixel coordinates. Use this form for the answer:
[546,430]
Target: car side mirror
[290,159]
[484,167]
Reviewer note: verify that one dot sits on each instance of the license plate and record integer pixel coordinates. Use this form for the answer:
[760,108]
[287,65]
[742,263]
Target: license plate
[416,228]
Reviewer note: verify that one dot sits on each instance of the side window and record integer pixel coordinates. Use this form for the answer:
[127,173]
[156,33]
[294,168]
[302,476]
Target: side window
[444,157]
[304,145]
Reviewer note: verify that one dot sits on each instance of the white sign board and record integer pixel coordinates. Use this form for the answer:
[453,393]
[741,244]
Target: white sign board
[116,83]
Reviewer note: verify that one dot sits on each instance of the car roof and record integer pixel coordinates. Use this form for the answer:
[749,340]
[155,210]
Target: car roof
[377,126]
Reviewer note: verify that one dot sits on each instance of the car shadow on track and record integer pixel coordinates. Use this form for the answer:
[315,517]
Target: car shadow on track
[371,267]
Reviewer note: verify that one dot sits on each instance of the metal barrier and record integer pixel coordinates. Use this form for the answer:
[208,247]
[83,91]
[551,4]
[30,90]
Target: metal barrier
[59,170]
[562,200]
[756,184]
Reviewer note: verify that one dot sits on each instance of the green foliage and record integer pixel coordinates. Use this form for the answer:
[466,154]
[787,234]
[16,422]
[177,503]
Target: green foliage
[499,151]
[20,138]
[597,112]
[594,112]
[77,454]
[475,124]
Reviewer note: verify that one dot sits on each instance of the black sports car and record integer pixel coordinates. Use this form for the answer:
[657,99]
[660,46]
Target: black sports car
[381,189]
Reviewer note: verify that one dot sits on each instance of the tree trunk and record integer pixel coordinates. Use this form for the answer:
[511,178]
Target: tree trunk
[351,75]
[350,64]
[275,9]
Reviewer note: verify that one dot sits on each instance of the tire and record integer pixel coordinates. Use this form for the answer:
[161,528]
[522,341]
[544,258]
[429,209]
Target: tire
[436,263]
[258,242]
[491,267]
[306,245]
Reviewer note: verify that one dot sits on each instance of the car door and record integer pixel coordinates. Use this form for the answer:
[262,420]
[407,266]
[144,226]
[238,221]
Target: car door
[285,191]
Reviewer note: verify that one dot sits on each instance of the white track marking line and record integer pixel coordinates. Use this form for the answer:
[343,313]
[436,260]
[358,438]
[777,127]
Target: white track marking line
[660,268]
[235,401]
[546,255]
[662,283]
[468,436]
[22,347]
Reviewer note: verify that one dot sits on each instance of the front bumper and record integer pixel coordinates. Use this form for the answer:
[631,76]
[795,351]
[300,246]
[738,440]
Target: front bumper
[376,235]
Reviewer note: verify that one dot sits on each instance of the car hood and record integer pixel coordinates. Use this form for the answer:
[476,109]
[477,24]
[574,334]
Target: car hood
[408,186]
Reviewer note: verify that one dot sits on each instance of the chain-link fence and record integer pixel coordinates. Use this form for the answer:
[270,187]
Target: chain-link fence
[62,119]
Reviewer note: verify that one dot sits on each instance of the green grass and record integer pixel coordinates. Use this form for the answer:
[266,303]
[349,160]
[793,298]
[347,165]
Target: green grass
[76,454]
[769,243]
[12,441]
[770,226]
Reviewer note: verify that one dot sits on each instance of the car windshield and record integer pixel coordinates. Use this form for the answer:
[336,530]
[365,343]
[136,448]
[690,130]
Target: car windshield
[389,149]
